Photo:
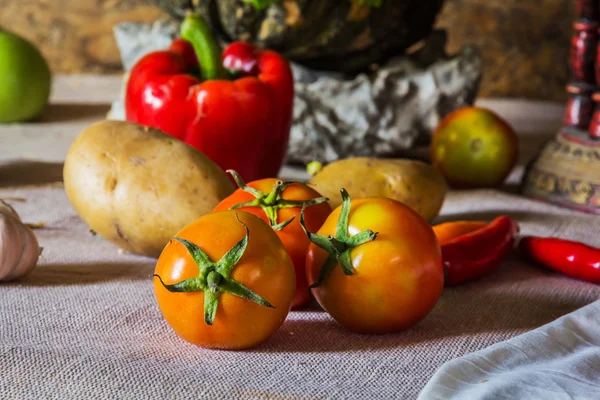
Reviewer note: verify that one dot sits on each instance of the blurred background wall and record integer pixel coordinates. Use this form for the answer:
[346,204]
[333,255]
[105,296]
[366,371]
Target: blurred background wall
[525,42]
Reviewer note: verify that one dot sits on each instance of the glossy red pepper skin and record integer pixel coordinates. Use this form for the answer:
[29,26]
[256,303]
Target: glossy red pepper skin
[472,255]
[242,124]
[573,259]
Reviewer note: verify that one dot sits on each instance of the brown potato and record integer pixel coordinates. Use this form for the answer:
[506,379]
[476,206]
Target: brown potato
[137,187]
[414,183]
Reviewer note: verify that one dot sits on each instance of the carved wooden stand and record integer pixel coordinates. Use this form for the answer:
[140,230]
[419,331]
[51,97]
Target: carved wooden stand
[567,170]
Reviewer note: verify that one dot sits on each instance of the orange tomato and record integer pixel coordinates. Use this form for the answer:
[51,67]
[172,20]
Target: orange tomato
[229,264]
[292,236]
[396,273]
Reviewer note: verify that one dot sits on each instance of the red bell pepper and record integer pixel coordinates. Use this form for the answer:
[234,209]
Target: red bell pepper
[472,249]
[573,259]
[235,107]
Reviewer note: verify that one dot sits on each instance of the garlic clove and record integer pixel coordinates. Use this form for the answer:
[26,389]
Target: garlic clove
[19,247]
[30,251]
[6,209]
[11,245]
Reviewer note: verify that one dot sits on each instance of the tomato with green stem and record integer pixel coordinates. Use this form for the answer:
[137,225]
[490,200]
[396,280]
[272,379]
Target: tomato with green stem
[225,281]
[375,265]
[279,203]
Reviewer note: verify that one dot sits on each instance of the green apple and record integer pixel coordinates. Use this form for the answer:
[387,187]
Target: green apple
[24,79]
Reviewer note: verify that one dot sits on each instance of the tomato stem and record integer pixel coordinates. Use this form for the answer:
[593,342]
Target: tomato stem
[275,194]
[214,277]
[339,246]
[273,201]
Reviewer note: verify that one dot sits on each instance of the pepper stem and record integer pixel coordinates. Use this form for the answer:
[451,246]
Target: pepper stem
[339,246]
[195,30]
[272,202]
[214,277]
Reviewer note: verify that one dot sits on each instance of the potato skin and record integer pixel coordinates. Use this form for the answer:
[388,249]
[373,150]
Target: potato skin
[416,184]
[137,186]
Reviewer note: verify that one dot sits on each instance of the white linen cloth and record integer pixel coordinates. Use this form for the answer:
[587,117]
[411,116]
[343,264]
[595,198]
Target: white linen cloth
[560,360]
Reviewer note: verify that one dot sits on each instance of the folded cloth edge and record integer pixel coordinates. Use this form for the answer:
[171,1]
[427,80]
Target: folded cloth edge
[558,360]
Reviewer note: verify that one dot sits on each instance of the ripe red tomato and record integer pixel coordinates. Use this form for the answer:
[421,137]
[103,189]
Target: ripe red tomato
[375,266]
[225,282]
[275,204]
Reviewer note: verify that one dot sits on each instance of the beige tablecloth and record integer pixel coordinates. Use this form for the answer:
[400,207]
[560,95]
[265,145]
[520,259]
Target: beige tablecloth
[85,325]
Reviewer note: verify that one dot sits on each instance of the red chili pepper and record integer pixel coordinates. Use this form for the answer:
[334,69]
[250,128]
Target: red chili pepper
[573,259]
[477,249]
[239,113]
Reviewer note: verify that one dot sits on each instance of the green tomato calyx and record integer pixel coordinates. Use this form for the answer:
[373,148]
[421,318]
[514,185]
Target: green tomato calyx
[272,202]
[214,277]
[339,246]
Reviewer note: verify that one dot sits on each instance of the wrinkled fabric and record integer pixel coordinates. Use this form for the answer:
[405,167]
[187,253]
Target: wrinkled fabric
[560,360]
[85,325]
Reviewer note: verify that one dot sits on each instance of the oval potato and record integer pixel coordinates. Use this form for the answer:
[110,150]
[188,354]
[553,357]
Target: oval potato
[416,184]
[137,186]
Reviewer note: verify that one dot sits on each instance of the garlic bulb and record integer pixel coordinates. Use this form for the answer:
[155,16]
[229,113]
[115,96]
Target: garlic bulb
[19,248]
